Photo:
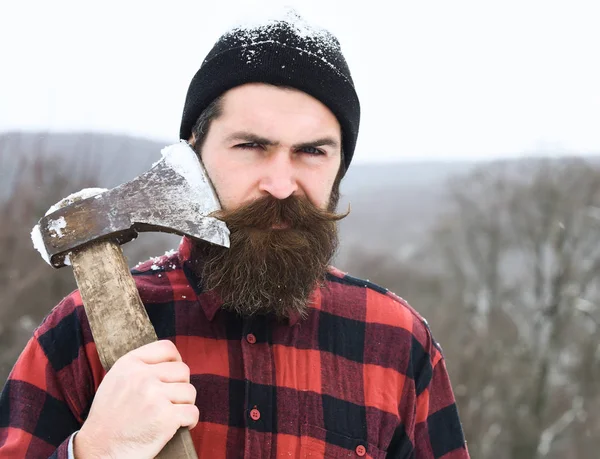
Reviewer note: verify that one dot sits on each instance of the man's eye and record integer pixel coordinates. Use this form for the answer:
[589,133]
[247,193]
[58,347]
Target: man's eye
[312,151]
[248,145]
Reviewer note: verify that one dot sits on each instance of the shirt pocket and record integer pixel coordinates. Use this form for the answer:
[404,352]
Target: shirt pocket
[317,442]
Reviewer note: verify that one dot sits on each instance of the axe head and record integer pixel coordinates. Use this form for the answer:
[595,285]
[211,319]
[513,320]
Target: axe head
[174,196]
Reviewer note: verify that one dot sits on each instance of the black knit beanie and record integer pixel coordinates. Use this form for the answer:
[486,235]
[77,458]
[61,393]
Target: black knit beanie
[284,52]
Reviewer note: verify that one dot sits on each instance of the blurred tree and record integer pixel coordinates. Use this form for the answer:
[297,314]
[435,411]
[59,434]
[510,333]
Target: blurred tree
[509,283]
[28,286]
[521,247]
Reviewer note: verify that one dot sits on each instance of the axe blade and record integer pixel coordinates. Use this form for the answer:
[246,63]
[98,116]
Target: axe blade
[174,196]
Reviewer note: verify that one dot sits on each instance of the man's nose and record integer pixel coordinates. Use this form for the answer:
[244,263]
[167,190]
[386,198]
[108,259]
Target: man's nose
[279,178]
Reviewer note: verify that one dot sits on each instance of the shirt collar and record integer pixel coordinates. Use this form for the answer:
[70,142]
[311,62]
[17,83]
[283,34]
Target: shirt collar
[210,301]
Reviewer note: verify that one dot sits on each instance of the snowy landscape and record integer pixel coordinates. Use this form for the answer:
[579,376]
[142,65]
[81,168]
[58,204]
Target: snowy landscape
[502,259]
[474,191]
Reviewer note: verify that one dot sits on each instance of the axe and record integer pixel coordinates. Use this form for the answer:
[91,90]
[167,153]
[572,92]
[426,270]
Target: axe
[85,230]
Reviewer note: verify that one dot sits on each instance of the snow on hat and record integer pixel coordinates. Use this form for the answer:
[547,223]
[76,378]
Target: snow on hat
[286,51]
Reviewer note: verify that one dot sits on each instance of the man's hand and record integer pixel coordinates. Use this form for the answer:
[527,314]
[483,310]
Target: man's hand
[142,401]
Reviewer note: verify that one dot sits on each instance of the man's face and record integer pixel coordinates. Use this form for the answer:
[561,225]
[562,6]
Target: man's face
[273,156]
[272,141]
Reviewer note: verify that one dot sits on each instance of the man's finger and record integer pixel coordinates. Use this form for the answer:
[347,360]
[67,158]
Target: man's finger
[181,393]
[188,415]
[172,372]
[157,352]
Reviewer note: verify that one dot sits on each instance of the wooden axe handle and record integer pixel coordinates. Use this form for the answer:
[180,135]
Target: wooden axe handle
[117,317]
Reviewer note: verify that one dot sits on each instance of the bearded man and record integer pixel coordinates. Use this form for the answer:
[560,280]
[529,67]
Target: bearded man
[265,350]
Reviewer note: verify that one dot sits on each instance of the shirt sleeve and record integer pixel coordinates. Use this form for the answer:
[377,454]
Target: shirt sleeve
[49,390]
[71,451]
[438,430]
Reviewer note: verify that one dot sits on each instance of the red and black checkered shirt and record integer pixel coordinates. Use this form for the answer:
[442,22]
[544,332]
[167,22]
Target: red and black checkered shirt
[361,376]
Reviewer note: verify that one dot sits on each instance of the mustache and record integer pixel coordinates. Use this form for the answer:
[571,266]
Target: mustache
[296,211]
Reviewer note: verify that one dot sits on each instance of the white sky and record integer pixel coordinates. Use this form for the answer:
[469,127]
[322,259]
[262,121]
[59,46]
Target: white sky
[436,78]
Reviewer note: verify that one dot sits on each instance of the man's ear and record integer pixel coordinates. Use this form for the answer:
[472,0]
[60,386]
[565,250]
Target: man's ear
[192,140]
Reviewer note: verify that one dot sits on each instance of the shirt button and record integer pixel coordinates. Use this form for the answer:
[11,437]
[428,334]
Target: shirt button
[251,338]
[361,450]
[255,414]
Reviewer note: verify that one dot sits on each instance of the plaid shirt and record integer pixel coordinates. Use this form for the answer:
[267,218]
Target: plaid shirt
[361,376]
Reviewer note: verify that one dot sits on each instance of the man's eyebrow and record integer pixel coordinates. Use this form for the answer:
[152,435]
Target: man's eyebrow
[249,137]
[253,138]
[322,142]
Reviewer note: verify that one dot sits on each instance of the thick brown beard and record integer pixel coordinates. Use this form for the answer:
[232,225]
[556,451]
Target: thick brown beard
[267,270]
